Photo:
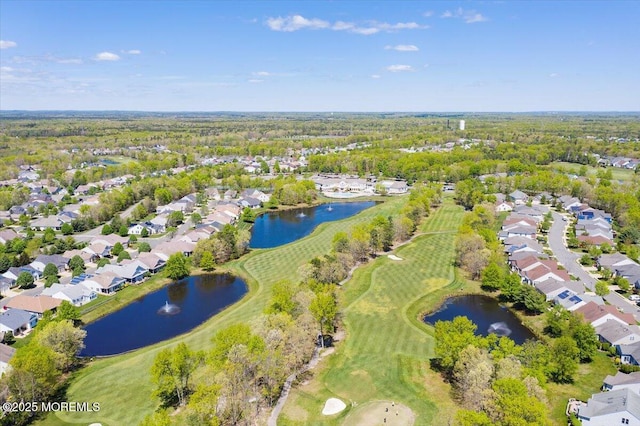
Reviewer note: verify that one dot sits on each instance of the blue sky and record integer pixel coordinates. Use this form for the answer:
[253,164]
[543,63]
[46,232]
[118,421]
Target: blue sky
[320,55]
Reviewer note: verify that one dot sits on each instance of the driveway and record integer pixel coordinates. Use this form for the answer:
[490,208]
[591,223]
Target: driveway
[569,260]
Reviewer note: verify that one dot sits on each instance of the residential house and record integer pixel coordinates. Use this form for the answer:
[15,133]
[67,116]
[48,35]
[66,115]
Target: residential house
[518,197]
[40,262]
[133,272]
[6,353]
[152,261]
[622,381]
[7,235]
[17,321]
[98,250]
[166,249]
[14,272]
[552,288]
[43,223]
[504,207]
[77,295]
[84,255]
[569,300]
[615,334]
[37,305]
[617,407]
[160,223]
[615,259]
[111,240]
[252,203]
[629,354]
[106,283]
[596,315]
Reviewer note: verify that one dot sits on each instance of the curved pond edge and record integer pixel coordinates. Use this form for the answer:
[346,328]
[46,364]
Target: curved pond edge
[252,288]
[522,318]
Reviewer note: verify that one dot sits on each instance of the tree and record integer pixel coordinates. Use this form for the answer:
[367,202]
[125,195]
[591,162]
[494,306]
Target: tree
[64,340]
[123,231]
[106,229]
[76,262]
[556,321]
[50,270]
[175,218]
[33,375]
[124,255]
[144,233]
[473,373]
[102,262]
[586,340]
[117,249]
[144,247]
[207,262]
[67,311]
[51,280]
[492,277]
[9,339]
[196,219]
[171,372]
[324,309]
[451,338]
[602,288]
[533,300]
[24,280]
[473,418]
[282,298]
[514,406]
[177,266]
[66,229]
[564,360]
[340,242]
[248,215]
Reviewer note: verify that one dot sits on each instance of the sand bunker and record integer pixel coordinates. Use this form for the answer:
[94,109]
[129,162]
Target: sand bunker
[394,257]
[333,406]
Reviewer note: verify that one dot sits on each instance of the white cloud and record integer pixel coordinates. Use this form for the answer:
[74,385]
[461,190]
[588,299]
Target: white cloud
[73,61]
[255,80]
[554,75]
[428,14]
[295,23]
[376,76]
[403,48]
[399,68]
[6,44]
[468,16]
[133,52]
[106,56]
[298,22]
[262,73]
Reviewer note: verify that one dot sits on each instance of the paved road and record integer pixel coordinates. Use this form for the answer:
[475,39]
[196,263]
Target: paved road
[569,260]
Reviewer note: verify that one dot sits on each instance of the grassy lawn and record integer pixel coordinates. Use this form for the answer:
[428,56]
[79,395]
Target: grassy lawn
[122,384]
[385,356]
[618,173]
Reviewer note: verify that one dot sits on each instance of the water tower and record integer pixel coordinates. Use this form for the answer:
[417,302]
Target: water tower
[461,124]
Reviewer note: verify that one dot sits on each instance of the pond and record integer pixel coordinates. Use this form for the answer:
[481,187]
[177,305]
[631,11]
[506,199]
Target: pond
[274,229]
[487,313]
[168,312]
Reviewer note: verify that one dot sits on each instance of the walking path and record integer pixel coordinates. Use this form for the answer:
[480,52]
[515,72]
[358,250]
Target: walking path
[273,418]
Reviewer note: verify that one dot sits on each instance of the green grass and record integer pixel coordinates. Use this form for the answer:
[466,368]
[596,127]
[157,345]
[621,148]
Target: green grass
[385,355]
[122,384]
[618,173]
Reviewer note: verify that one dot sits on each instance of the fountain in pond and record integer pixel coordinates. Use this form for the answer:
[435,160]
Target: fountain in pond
[301,214]
[329,209]
[499,329]
[169,309]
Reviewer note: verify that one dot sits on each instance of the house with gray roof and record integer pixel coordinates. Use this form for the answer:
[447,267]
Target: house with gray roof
[621,381]
[77,295]
[617,407]
[6,353]
[43,260]
[614,333]
[629,354]
[17,321]
[518,197]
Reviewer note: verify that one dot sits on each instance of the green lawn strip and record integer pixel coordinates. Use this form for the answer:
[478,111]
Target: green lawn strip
[385,355]
[122,384]
[617,173]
